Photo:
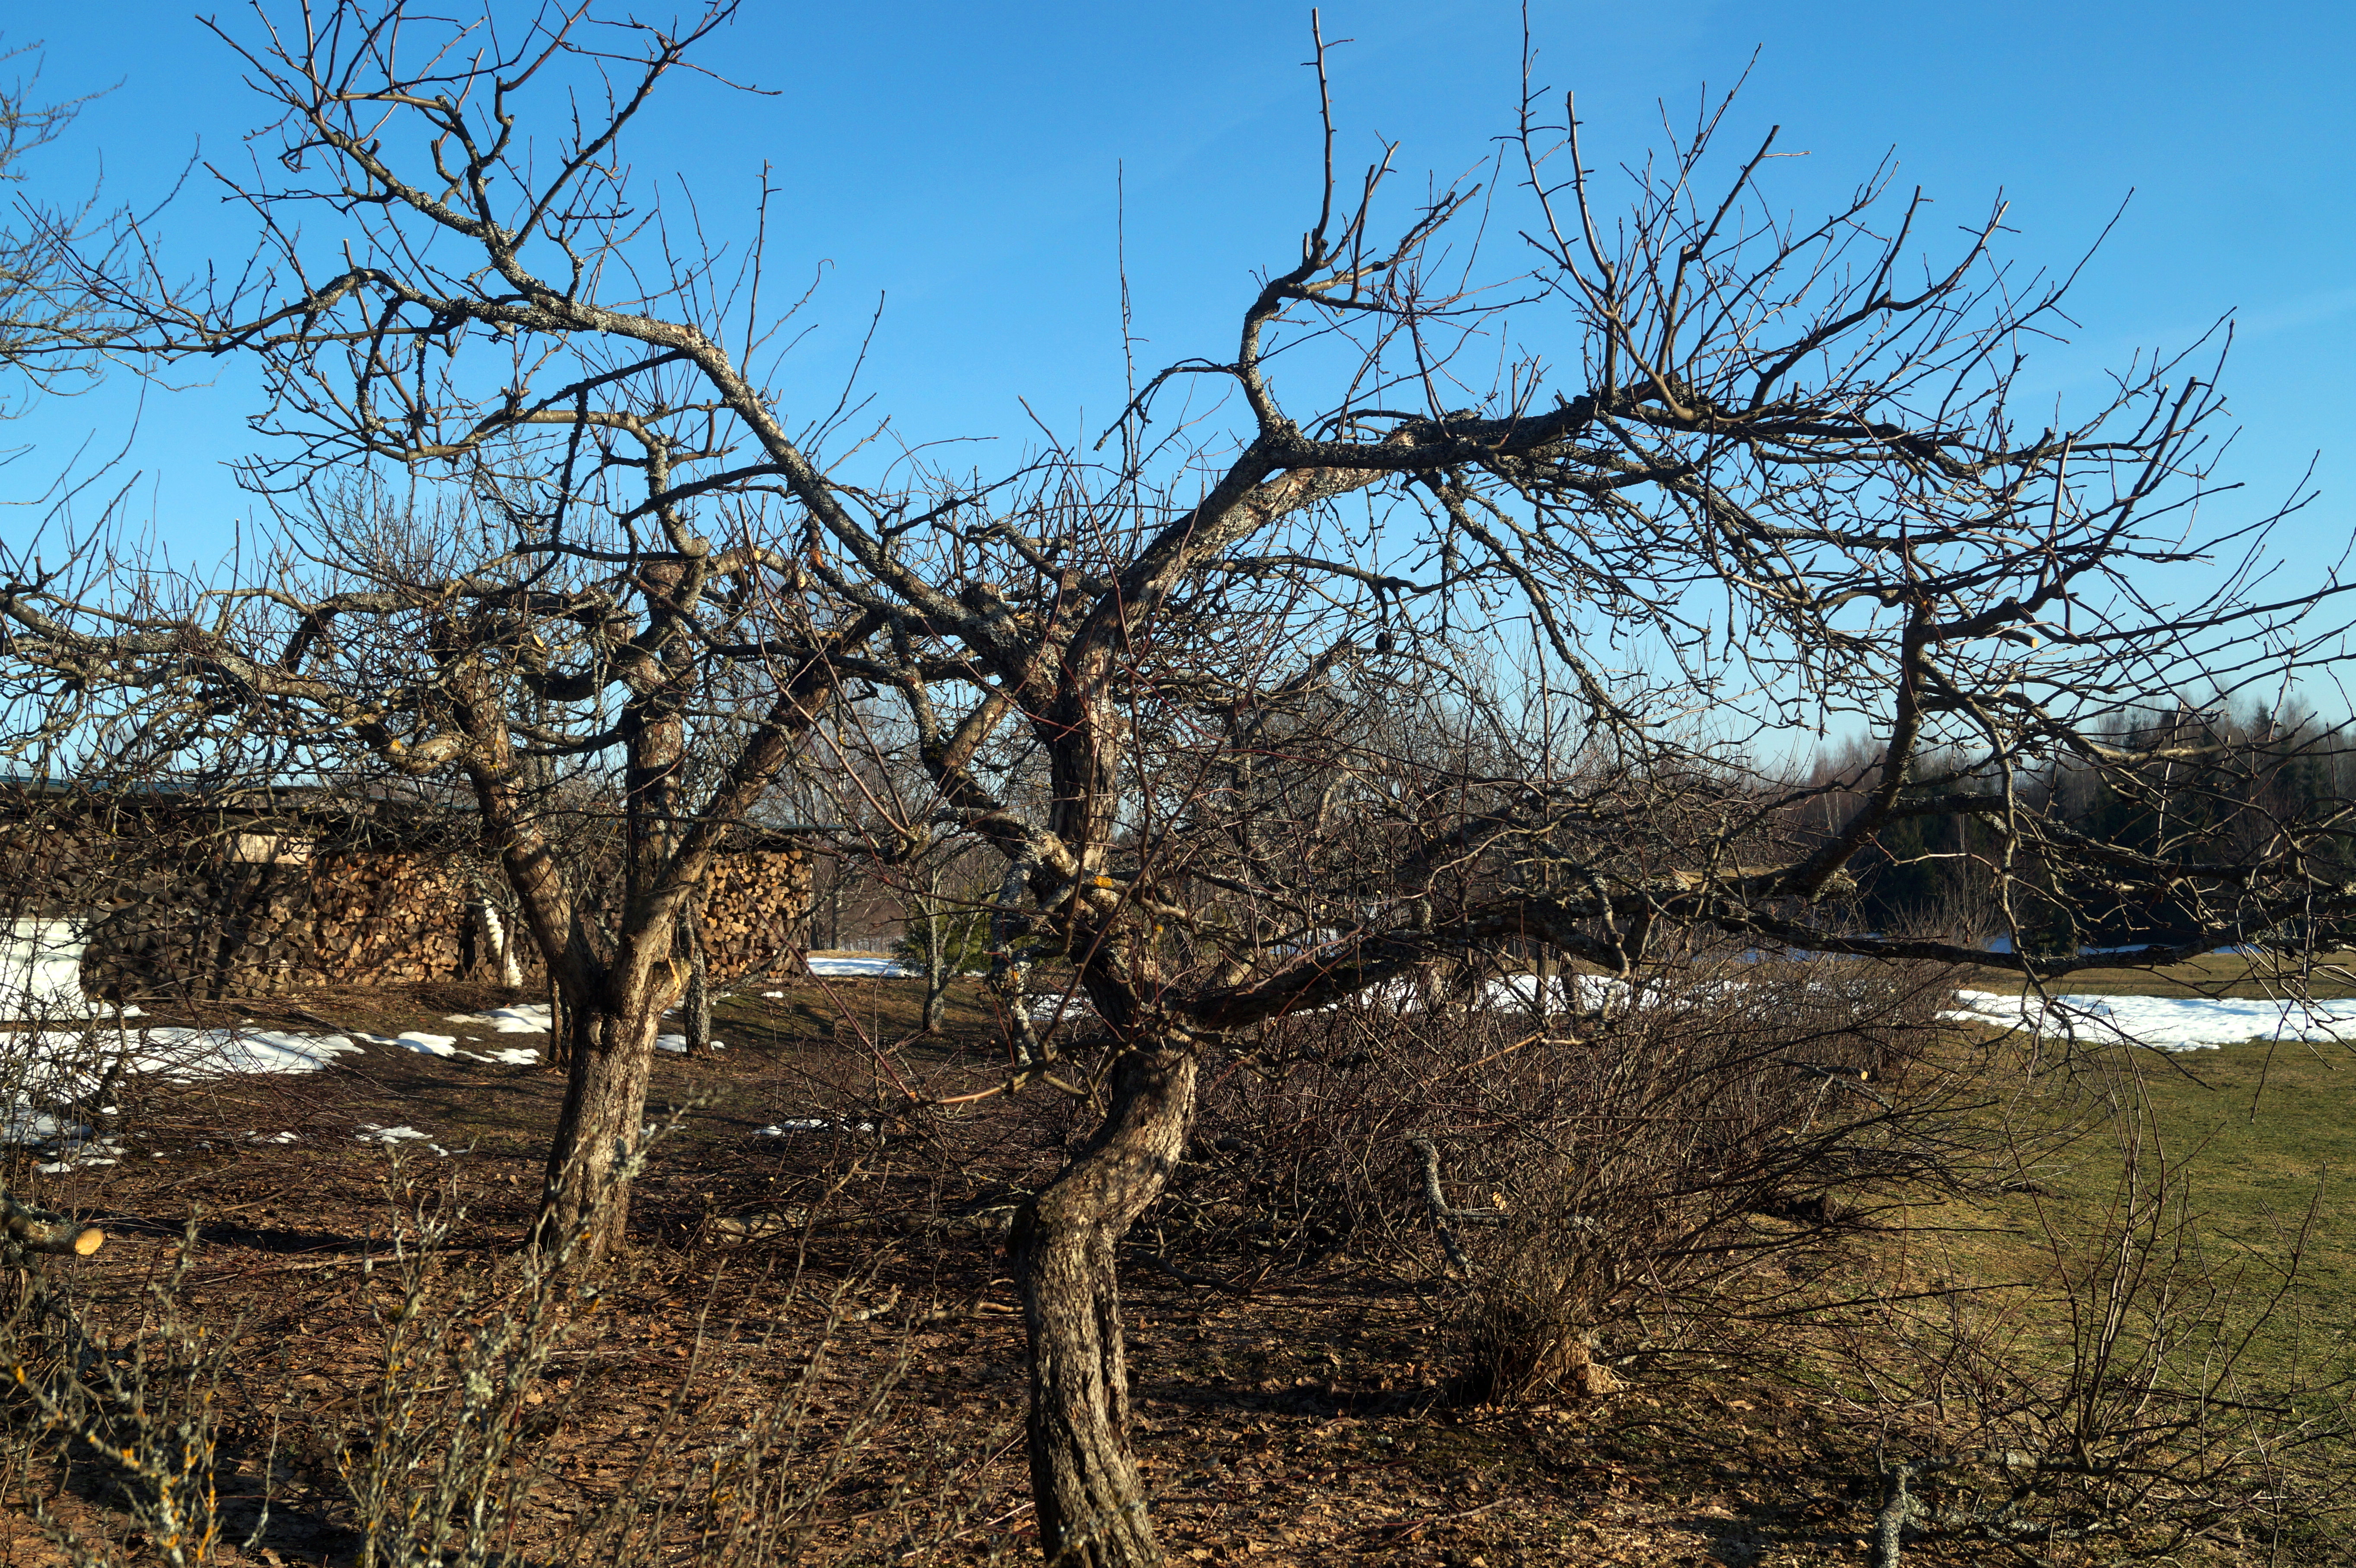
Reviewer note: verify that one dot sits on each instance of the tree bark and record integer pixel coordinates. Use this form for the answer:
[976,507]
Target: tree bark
[1091,1501]
[937,967]
[695,1008]
[584,1199]
[924,917]
[560,1028]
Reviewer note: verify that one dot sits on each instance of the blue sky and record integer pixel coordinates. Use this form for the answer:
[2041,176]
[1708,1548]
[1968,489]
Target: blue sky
[960,161]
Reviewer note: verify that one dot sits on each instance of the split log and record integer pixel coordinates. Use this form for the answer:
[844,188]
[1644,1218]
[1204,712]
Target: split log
[40,1230]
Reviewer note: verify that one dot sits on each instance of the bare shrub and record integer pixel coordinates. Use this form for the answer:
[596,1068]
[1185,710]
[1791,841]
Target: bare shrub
[438,1459]
[138,1409]
[1644,1182]
[1678,1171]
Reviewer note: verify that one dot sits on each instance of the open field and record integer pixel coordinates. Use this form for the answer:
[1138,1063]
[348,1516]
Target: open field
[2263,1137]
[2262,1133]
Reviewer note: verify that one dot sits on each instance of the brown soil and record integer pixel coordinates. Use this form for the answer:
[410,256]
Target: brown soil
[1302,1420]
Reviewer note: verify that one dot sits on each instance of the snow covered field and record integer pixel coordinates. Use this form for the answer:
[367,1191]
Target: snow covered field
[2165,1023]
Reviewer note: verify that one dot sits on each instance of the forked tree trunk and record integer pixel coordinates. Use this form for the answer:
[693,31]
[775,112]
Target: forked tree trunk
[1091,1501]
[584,1201]
[613,1005]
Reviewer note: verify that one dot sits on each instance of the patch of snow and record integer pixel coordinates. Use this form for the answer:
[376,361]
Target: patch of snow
[40,973]
[77,1150]
[811,1125]
[2164,1023]
[530,1017]
[858,965]
[773,995]
[40,968]
[527,1017]
[1566,993]
[1048,1008]
[1522,990]
[510,962]
[180,1054]
[272,1139]
[371,1134]
[446,1044]
[21,1126]
[420,1041]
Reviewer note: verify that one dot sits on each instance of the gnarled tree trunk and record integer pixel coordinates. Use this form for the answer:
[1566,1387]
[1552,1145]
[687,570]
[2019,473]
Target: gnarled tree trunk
[584,1201]
[613,1009]
[1091,1500]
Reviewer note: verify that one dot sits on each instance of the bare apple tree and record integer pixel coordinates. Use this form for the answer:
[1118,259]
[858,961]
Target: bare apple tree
[52,325]
[547,630]
[1727,475]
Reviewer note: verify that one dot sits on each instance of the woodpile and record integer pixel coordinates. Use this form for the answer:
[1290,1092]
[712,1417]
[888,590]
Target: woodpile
[377,917]
[168,930]
[171,902]
[244,929]
[389,918]
[756,914]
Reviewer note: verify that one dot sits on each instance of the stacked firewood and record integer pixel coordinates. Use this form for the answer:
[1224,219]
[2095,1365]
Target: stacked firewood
[390,917]
[757,913]
[384,917]
[182,930]
[172,903]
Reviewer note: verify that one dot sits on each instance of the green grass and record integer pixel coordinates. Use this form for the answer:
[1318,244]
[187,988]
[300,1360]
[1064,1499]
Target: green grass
[2261,1137]
[2262,1130]
[2266,1133]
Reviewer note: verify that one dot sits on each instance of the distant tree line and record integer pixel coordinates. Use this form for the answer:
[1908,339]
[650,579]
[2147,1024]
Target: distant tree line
[2194,788]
